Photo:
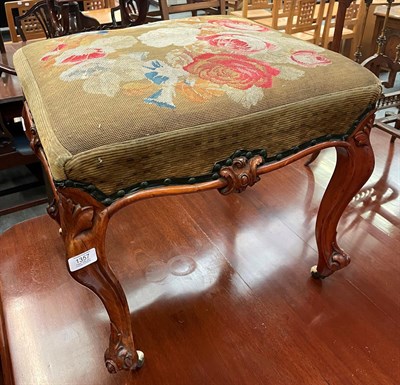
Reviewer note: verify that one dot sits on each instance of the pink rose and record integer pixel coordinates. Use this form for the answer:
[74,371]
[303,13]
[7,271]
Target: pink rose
[241,25]
[236,71]
[309,59]
[237,42]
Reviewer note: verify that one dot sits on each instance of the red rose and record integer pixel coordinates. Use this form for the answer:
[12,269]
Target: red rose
[236,71]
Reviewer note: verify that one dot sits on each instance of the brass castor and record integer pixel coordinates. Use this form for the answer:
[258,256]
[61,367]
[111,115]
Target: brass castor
[315,274]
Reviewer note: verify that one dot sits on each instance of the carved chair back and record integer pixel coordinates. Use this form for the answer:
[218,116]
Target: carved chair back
[137,12]
[54,20]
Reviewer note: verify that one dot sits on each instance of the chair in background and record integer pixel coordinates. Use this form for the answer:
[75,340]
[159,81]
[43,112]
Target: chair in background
[254,9]
[69,17]
[280,13]
[30,20]
[378,64]
[132,9]
[33,28]
[351,25]
[305,20]
[42,19]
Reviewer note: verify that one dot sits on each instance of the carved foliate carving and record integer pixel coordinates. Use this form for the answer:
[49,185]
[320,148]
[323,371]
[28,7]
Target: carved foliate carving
[118,356]
[52,210]
[75,219]
[242,173]
[338,259]
[361,137]
[34,142]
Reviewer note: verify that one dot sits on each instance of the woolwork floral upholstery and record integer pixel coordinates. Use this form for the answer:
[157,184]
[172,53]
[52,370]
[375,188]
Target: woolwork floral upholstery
[170,99]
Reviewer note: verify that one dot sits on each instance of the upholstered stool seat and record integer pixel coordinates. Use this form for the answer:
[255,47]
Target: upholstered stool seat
[170,100]
[181,106]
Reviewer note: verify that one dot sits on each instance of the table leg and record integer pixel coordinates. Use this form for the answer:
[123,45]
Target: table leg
[2,47]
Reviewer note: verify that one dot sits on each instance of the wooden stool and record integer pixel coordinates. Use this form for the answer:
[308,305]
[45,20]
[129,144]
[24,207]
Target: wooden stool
[183,106]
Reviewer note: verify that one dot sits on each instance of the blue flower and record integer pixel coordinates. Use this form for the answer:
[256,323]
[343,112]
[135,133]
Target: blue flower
[158,99]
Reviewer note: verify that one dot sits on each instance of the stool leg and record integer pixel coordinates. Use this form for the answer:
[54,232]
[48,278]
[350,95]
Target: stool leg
[354,166]
[83,227]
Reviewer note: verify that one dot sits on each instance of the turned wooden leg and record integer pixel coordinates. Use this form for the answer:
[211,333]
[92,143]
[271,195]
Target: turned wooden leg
[354,166]
[83,227]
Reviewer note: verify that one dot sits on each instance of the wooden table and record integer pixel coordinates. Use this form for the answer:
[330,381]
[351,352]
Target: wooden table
[13,151]
[10,89]
[103,16]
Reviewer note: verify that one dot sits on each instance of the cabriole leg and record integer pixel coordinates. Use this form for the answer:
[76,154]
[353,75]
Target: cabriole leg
[354,166]
[83,227]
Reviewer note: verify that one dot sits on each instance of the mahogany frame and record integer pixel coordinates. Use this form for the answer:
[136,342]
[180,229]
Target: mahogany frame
[83,221]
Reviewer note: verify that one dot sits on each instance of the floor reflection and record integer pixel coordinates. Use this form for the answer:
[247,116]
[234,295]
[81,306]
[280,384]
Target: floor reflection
[377,202]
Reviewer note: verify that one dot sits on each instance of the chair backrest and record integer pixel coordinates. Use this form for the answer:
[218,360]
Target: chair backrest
[54,20]
[283,7]
[260,4]
[133,12]
[31,25]
[281,10]
[214,6]
[306,16]
[351,19]
[255,5]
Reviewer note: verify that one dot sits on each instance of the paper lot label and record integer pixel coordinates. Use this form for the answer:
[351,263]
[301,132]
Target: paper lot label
[82,260]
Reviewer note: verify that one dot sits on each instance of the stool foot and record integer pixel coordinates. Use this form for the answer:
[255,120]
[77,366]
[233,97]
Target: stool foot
[123,359]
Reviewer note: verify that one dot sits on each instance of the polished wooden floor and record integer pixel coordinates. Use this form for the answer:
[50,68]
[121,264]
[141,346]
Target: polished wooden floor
[219,289]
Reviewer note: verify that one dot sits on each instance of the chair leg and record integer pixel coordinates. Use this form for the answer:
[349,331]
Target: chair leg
[354,166]
[83,228]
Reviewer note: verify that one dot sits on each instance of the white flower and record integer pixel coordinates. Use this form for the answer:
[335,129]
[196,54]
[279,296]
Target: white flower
[163,37]
[105,84]
[246,98]
[115,42]
[290,73]
[87,69]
